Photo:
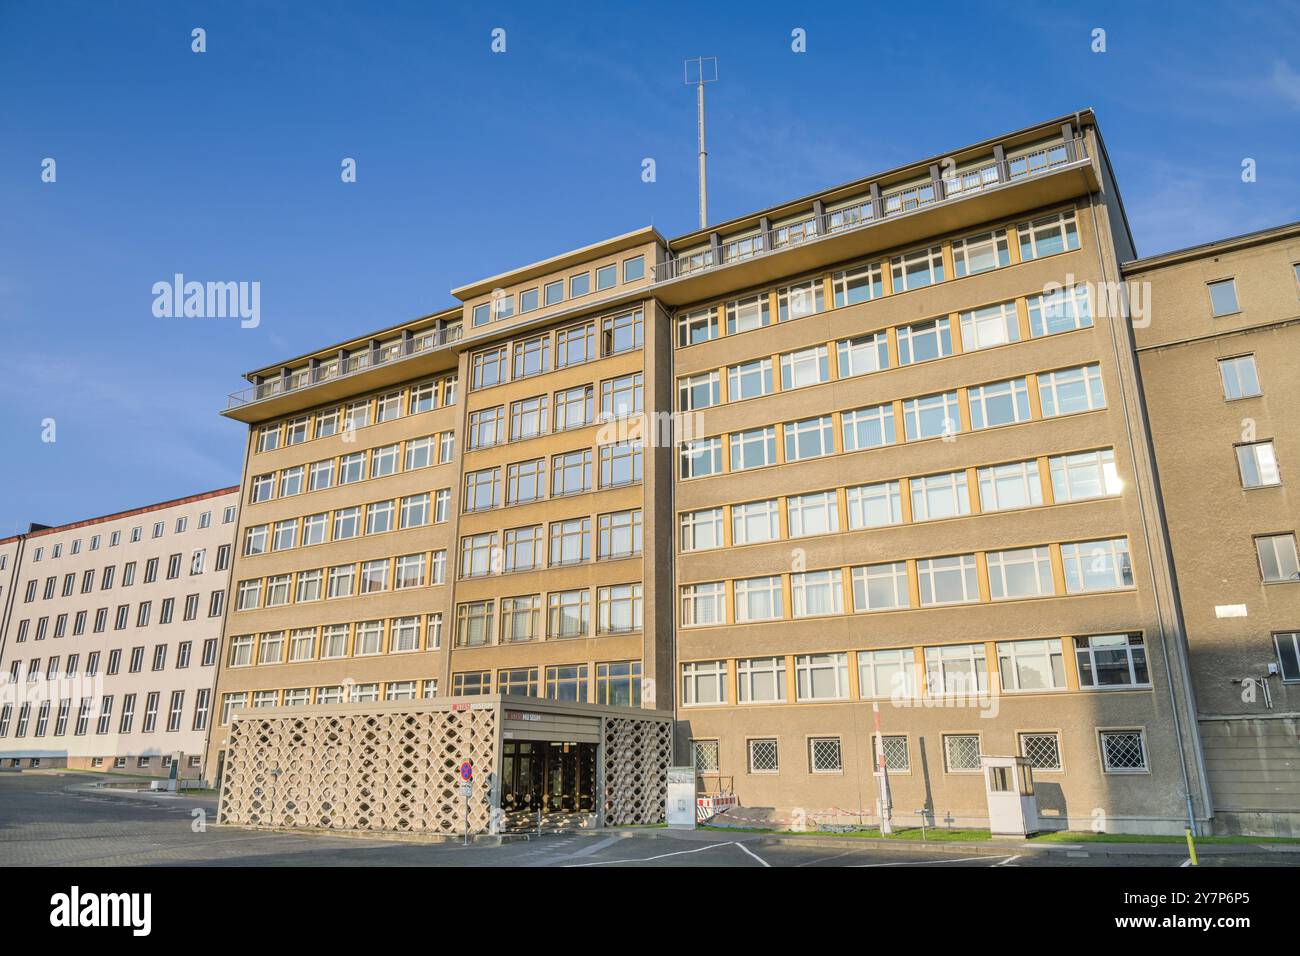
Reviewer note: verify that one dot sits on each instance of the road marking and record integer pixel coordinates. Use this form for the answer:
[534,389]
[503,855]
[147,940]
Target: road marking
[825,859]
[1008,861]
[964,859]
[754,855]
[1186,862]
[711,846]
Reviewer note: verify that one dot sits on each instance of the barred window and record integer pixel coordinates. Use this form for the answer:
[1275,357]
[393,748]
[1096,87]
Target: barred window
[824,755]
[961,753]
[763,756]
[706,756]
[1123,751]
[1042,750]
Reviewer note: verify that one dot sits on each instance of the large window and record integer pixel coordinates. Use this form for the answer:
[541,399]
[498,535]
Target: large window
[940,496]
[575,345]
[1258,465]
[523,549]
[932,416]
[821,677]
[760,680]
[1111,660]
[924,341]
[755,522]
[1062,310]
[950,580]
[521,619]
[704,682]
[881,587]
[526,481]
[887,675]
[1071,390]
[474,623]
[956,670]
[482,490]
[1010,486]
[1047,236]
[1085,475]
[874,506]
[1277,558]
[1020,573]
[753,449]
[1097,565]
[704,604]
[574,407]
[990,326]
[817,593]
[1000,403]
[1031,665]
[1240,377]
[758,599]
[621,397]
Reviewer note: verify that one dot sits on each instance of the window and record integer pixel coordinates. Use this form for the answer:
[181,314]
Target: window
[313,529]
[621,397]
[758,599]
[620,464]
[357,416]
[696,327]
[567,682]
[421,398]
[1111,660]
[761,681]
[940,496]
[816,593]
[408,571]
[575,345]
[753,449]
[526,481]
[347,523]
[1123,751]
[799,300]
[302,644]
[523,548]
[700,457]
[1062,310]
[419,453]
[824,755]
[521,619]
[806,367]
[528,418]
[763,755]
[810,438]
[474,624]
[370,638]
[1086,475]
[1042,750]
[486,427]
[268,438]
[622,333]
[698,391]
[924,341]
[488,368]
[951,580]
[749,380]
[284,536]
[1047,236]
[379,517]
[568,614]
[1277,557]
[933,416]
[917,269]
[333,641]
[858,284]
[887,675]
[532,356]
[863,355]
[1001,403]
[1288,655]
[1031,665]
[618,609]
[813,514]
[961,753]
[571,472]
[1097,565]
[990,326]
[634,268]
[976,254]
[1258,465]
[874,506]
[476,554]
[755,522]
[553,292]
[868,427]
[482,490]
[704,682]
[1071,390]
[701,530]
[404,636]
[263,487]
[579,285]
[881,587]
[748,313]
[373,577]
[327,423]
[1011,486]
[821,677]
[1020,573]
[1223,297]
[573,408]
[618,535]
[1240,377]
[352,467]
[703,604]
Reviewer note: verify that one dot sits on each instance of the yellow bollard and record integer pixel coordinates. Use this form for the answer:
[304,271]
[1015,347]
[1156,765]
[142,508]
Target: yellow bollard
[1191,846]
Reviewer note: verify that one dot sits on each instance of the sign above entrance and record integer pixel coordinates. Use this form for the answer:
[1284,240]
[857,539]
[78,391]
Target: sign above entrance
[521,715]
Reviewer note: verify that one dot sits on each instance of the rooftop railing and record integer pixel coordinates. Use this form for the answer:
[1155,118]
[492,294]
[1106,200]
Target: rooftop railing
[895,202]
[353,364]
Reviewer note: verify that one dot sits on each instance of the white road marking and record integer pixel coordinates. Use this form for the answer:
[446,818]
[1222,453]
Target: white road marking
[964,859]
[1186,862]
[754,855]
[1008,861]
[711,846]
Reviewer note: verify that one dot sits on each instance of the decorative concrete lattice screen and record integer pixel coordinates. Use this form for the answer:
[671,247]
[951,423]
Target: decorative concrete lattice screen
[637,755]
[391,770]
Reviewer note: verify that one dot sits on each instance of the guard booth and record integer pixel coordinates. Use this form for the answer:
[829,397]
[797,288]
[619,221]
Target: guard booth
[1009,787]
[395,766]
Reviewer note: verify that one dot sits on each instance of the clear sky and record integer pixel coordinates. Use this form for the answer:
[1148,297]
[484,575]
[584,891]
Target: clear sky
[225,166]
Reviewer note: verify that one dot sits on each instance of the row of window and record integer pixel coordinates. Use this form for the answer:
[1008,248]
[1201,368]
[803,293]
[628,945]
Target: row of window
[565,347]
[97,716]
[107,576]
[870,280]
[504,304]
[331,694]
[568,615]
[346,419]
[56,668]
[136,535]
[621,397]
[378,517]
[971,408]
[397,635]
[617,683]
[570,473]
[421,569]
[1000,324]
[908,673]
[618,535]
[384,460]
[1120,751]
[121,617]
[1084,567]
[1078,476]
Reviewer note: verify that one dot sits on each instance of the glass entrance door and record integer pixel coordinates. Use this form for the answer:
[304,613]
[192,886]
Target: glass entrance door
[552,776]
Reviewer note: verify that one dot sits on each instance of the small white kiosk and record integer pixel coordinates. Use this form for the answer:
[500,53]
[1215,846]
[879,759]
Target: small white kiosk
[1009,787]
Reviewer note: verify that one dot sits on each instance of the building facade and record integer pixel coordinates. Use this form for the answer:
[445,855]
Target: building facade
[110,637]
[877,454]
[1220,361]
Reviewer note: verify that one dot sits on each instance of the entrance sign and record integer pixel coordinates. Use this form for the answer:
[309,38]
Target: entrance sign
[680,805]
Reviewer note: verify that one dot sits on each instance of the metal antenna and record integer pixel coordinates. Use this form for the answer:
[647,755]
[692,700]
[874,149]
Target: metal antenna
[701,70]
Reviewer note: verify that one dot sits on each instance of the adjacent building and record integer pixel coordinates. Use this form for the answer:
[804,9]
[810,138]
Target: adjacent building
[877,454]
[110,636]
[1219,352]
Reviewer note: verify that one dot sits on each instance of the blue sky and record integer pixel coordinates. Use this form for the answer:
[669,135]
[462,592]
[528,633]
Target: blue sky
[225,166]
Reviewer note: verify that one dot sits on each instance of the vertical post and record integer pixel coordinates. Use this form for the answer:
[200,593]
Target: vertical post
[704,156]
[882,777]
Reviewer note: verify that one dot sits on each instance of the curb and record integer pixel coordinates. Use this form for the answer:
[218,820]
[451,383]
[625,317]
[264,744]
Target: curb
[386,836]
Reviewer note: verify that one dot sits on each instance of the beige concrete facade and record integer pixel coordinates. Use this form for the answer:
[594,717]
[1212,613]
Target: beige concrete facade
[1000,549]
[1220,362]
[110,637]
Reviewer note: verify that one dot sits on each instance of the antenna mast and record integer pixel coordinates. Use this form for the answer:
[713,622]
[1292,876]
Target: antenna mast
[698,71]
